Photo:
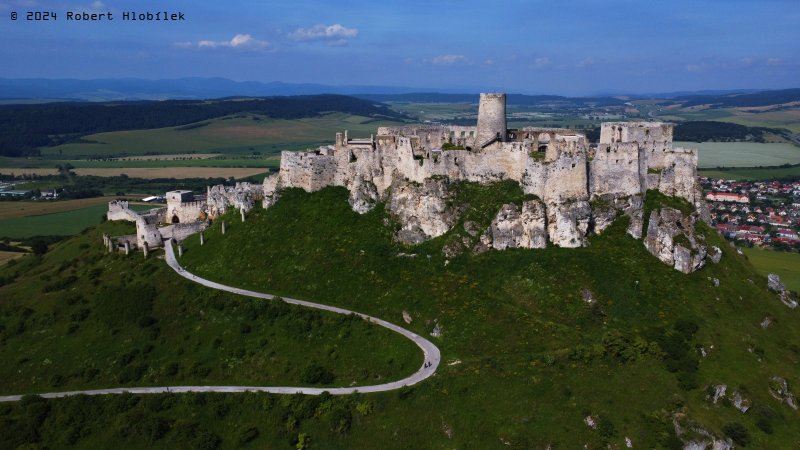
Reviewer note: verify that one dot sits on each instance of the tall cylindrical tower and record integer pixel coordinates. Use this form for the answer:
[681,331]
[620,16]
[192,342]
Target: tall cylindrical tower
[491,118]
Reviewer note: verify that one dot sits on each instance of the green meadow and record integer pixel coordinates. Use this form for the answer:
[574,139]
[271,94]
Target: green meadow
[228,135]
[57,224]
[743,154]
[785,264]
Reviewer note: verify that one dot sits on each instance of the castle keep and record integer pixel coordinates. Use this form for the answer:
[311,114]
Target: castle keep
[575,187]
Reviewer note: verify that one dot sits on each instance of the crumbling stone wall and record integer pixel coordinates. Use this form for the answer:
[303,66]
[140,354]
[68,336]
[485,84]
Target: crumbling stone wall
[407,168]
[118,210]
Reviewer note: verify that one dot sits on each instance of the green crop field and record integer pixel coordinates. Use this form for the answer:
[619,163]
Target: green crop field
[57,224]
[242,135]
[435,111]
[783,118]
[743,154]
[750,173]
[785,264]
[8,165]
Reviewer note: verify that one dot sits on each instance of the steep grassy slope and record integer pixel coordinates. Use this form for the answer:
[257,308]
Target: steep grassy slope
[82,318]
[535,359]
[526,358]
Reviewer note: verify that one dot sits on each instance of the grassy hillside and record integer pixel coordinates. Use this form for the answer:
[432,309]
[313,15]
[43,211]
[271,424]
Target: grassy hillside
[82,318]
[526,359]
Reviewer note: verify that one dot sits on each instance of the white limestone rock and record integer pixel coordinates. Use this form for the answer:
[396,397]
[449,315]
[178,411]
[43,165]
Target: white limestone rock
[242,196]
[719,392]
[774,283]
[740,403]
[715,254]
[671,238]
[272,190]
[514,229]
[568,223]
[779,389]
[606,209]
[422,209]
[363,195]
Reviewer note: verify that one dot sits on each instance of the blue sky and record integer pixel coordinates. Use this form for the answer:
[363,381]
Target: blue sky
[553,47]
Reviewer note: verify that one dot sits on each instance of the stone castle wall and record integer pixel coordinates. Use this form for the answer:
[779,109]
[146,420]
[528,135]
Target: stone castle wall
[184,212]
[558,166]
[408,169]
[118,210]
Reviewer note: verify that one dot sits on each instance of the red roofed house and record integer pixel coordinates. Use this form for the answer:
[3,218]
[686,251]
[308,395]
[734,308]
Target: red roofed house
[727,197]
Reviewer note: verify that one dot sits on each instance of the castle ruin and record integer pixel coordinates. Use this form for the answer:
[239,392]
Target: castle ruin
[576,188]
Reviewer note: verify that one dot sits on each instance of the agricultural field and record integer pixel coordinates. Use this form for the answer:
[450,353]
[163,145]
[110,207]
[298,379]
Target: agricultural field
[8,256]
[14,209]
[785,264]
[752,173]
[743,154]
[154,172]
[19,164]
[751,117]
[228,135]
[63,223]
[435,112]
[519,116]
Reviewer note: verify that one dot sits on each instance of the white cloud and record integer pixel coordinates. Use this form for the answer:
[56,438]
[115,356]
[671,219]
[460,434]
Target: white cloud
[542,61]
[696,68]
[448,59]
[774,61]
[98,5]
[241,41]
[336,32]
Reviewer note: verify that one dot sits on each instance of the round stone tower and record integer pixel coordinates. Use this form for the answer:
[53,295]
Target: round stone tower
[491,118]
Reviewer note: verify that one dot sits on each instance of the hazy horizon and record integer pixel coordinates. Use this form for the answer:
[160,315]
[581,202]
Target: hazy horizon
[529,47]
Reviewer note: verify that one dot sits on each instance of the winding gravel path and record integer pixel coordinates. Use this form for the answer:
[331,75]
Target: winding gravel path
[431,352]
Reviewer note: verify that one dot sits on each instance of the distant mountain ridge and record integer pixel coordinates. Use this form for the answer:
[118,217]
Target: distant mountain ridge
[171,89]
[511,99]
[197,88]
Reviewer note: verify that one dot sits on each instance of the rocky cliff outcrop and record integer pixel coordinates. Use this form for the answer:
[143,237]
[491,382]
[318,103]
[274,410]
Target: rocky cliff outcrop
[568,223]
[607,208]
[242,197]
[363,195]
[423,210]
[671,237]
[515,227]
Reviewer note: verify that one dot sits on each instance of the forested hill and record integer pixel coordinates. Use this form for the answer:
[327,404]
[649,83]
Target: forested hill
[23,128]
[512,99]
[766,98]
